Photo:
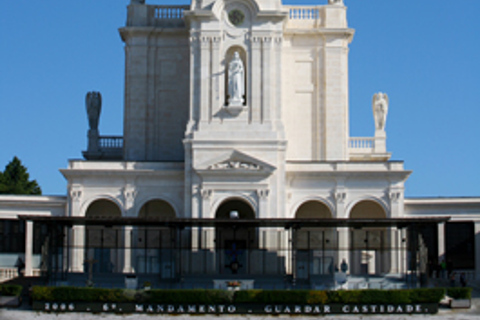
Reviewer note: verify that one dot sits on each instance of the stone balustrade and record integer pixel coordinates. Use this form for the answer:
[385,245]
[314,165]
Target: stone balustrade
[111,142]
[302,17]
[361,143]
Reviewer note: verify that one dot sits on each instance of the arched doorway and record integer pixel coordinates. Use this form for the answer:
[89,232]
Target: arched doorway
[103,253]
[369,246]
[235,246]
[315,248]
[154,246]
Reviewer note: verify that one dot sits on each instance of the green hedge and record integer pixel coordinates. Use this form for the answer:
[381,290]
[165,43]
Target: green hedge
[459,293]
[67,294]
[11,290]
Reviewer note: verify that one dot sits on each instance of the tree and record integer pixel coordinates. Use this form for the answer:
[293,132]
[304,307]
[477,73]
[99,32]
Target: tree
[15,180]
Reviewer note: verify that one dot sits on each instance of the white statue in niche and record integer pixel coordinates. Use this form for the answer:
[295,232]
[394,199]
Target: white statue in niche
[380,110]
[236,81]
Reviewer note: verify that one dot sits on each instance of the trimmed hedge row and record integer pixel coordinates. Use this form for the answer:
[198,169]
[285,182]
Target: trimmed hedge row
[199,296]
[10,290]
[459,293]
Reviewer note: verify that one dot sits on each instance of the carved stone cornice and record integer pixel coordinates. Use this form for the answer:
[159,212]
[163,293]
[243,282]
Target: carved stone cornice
[235,165]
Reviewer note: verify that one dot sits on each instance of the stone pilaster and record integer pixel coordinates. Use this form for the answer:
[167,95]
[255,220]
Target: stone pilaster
[28,248]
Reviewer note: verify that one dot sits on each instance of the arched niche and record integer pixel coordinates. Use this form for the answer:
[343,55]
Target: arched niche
[157,209]
[369,247]
[228,58]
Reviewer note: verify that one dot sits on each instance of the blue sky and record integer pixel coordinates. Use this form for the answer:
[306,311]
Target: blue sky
[424,54]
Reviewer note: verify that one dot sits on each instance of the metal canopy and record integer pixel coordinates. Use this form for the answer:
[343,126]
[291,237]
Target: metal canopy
[238,223]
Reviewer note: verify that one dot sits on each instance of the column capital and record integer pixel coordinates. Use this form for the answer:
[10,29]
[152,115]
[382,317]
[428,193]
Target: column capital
[263,194]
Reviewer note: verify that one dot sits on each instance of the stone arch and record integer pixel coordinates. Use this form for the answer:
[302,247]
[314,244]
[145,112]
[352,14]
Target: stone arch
[235,238]
[369,247]
[157,208]
[102,243]
[368,209]
[316,247]
[244,208]
[103,208]
[313,209]
[218,202]
[365,204]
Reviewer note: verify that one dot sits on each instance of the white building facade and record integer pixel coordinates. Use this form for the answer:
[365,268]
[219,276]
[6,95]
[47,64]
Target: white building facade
[270,142]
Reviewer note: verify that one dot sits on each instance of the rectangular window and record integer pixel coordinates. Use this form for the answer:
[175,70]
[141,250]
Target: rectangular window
[460,245]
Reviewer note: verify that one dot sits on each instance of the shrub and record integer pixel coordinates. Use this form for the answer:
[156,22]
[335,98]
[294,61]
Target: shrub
[200,296]
[459,293]
[433,295]
[11,290]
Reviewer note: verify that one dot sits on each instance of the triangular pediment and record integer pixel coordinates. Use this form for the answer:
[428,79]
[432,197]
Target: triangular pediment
[235,161]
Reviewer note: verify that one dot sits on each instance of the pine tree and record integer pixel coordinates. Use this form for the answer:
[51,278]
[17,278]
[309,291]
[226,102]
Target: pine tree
[15,180]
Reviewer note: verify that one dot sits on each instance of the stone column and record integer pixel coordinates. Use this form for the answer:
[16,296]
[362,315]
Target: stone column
[28,248]
[477,250]
[441,241]
[78,245]
[127,259]
[343,234]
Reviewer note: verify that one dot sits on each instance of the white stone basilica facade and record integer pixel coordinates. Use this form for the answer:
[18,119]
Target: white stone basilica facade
[243,106]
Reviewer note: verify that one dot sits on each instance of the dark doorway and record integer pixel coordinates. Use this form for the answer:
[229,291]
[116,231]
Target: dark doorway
[460,245]
[234,244]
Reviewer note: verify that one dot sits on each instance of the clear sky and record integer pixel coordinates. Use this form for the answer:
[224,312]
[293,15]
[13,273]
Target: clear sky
[423,53]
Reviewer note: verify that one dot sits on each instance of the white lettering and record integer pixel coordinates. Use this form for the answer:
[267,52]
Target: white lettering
[346,309]
[105,307]
[326,309]
[268,309]
[373,308]
[231,309]
[114,306]
[399,309]
[71,307]
[212,309]
[170,309]
[316,309]
[180,309]
[192,309]
[364,309]
[150,309]
[47,306]
[298,309]
[63,307]
[287,310]
[307,309]
[278,309]
[55,306]
[201,309]
[355,309]
[382,309]
[138,308]
[160,308]
[390,309]
[221,309]
[418,308]
[409,308]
